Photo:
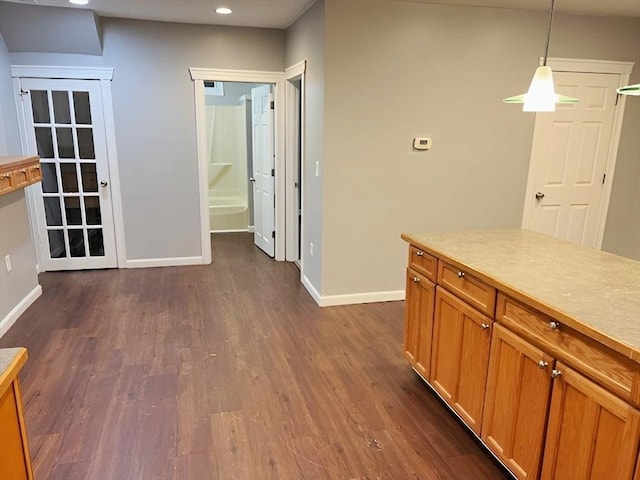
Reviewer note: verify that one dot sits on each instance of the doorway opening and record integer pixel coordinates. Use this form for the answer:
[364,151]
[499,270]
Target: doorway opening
[240,170]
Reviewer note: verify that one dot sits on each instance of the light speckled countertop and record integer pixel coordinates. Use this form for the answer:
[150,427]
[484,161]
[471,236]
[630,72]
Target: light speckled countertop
[597,289]
[7,356]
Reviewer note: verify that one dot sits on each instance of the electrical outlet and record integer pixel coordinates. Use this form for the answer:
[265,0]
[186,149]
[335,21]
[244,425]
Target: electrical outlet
[311,249]
[7,262]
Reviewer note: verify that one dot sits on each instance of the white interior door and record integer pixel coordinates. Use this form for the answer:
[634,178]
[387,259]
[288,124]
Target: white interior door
[65,127]
[263,169]
[569,159]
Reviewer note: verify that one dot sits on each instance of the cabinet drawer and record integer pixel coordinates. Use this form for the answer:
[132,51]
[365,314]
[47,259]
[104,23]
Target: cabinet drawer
[603,365]
[7,182]
[21,177]
[468,287]
[35,173]
[423,263]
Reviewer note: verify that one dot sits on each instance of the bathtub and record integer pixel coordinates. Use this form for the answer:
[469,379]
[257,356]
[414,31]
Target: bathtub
[228,214]
[227,205]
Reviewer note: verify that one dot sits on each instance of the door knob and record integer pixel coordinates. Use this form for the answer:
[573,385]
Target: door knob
[539,196]
[103,183]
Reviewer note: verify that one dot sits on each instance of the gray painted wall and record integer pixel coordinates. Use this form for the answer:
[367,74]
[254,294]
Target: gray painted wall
[154,113]
[50,29]
[15,235]
[305,41]
[395,70]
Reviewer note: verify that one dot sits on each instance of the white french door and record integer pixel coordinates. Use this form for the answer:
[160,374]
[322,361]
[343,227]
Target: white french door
[569,155]
[64,125]
[263,169]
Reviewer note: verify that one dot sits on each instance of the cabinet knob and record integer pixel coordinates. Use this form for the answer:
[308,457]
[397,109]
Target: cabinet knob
[103,183]
[460,274]
[23,170]
[6,175]
[542,364]
[484,326]
[419,253]
[416,279]
[37,167]
[554,325]
[555,373]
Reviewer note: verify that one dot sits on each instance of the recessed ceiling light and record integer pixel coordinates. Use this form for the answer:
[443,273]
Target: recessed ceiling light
[223,11]
[79,2]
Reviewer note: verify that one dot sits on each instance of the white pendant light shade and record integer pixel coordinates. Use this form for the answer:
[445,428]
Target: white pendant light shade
[630,90]
[541,96]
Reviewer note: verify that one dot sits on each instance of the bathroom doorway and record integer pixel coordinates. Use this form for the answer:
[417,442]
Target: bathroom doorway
[239,155]
[224,184]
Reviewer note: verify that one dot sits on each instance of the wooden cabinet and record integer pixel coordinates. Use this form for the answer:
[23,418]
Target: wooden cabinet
[15,462]
[418,323]
[460,356]
[517,402]
[591,433]
[553,398]
[18,172]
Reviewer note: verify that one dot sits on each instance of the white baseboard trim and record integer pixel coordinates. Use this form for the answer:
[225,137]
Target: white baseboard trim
[311,289]
[240,230]
[354,298]
[164,262]
[7,322]
[351,299]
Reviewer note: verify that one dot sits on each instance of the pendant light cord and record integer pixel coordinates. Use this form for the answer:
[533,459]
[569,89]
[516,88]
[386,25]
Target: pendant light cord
[546,48]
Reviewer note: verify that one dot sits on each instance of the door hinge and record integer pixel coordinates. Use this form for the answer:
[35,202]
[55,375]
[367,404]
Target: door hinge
[273,172]
[273,234]
[604,177]
[272,105]
[23,92]
[617,98]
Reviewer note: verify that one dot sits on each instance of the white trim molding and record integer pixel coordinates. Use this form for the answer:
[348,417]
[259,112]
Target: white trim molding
[588,66]
[163,262]
[67,73]
[352,298]
[199,75]
[7,322]
[295,70]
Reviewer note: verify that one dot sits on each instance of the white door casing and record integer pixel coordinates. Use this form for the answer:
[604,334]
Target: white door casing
[295,146]
[263,178]
[64,123]
[573,156]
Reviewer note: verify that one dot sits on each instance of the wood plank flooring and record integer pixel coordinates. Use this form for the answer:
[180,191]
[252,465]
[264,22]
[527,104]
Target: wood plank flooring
[228,371]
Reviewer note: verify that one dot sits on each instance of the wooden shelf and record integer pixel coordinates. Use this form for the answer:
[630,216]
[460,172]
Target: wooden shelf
[18,172]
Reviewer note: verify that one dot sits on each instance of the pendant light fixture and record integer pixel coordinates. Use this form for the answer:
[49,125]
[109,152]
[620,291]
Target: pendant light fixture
[630,90]
[541,96]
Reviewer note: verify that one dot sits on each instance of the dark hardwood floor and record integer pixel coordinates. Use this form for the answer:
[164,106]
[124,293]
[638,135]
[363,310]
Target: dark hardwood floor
[228,371]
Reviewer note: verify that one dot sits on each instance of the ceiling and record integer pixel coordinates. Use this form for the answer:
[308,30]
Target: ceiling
[282,13]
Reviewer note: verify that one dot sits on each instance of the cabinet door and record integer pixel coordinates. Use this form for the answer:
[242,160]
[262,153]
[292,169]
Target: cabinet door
[418,323]
[14,461]
[516,403]
[460,356]
[591,434]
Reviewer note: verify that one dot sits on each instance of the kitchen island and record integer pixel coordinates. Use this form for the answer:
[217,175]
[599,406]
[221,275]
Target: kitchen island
[15,462]
[534,343]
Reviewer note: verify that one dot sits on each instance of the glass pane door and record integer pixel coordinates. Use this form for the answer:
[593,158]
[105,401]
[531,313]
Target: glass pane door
[73,190]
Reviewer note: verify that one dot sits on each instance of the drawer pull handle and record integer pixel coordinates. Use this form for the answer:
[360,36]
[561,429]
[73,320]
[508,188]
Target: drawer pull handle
[554,325]
[23,170]
[419,253]
[484,326]
[460,274]
[37,167]
[6,175]
[542,364]
[555,373]
[416,279]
